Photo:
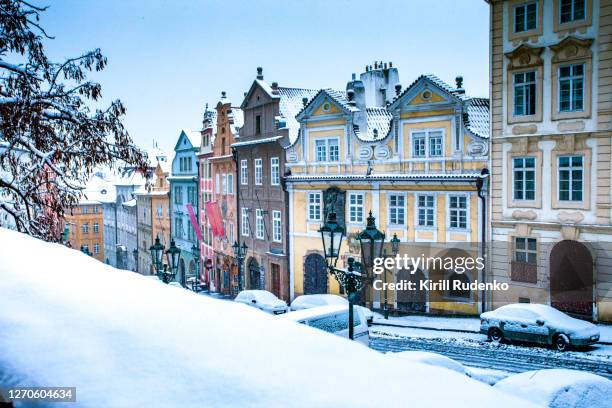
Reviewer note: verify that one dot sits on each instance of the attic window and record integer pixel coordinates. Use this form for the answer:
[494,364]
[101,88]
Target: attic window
[326,107]
[426,94]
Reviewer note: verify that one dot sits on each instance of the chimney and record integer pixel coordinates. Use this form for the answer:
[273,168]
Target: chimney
[223,94]
[304,101]
[459,81]
[275,88]
[390,64]
[350,94]
[260,73]
[398,89]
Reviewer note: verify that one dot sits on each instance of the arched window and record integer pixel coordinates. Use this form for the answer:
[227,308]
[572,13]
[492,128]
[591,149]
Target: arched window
[461,291]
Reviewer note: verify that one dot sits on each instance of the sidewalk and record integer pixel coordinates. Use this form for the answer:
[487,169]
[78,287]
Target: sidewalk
[458,324]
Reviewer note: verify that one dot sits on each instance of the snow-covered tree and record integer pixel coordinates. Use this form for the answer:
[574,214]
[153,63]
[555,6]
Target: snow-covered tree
[51,135]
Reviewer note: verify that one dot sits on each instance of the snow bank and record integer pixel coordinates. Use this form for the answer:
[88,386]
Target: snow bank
[127,341]
[433,359]
[560,388]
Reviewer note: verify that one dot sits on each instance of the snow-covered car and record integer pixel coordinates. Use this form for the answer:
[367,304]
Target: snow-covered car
[309,301]
[535,323]
[557,388]
[334,319]
[433,359]
[262,300]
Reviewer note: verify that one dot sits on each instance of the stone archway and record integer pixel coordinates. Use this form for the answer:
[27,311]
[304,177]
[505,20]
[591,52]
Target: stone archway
[571,278]
[315,275]
[254,274]
[411,300]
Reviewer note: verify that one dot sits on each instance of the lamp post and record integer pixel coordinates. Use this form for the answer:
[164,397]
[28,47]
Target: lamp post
[394,250]
[172,254]
[135,254]
[240,254]
[371,241]
[195,250]
[157,255]
[481,186]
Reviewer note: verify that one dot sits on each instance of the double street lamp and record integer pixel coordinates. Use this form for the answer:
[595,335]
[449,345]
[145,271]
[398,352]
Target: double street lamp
[371,240]
[240,253]
[166,272]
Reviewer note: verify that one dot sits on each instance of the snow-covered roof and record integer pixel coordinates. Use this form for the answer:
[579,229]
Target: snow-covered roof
[256,141]
[378,123]
[290,105]
[238,117]
[465,176]
[99,189]
[123,339]
[476,117]
[193,136]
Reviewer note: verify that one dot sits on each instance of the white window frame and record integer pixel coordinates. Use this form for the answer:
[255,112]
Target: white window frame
[96,248]
[389,208]
[277,234]
[260,230]
[525,4]
[232,237]
[311,204]
[244,226]
[571,168]
[85,228]
[230,183]
[327,150]
[244,172]
[571,78]
[224,184]
[526,251]
[449,210]
[524,85]
[417,214]
[258,171]
[426,135]
[274,171]
[96,227]
[217,184]
[524,170]
[359,208]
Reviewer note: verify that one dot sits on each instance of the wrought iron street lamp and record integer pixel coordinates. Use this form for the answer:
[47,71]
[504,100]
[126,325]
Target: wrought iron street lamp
[173,254]
[195,250]
[331,234]
[481,186]
[157,254]
[240,253]
[371,240]
[394,250]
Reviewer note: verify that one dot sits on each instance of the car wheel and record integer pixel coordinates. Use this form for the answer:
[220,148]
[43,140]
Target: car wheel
[496,335]
[561,342]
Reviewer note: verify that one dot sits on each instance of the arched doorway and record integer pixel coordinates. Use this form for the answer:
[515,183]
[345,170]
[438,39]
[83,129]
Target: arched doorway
[181,272]
[411,300]
[571,278]
[315,275]
[461,291]
[254,274]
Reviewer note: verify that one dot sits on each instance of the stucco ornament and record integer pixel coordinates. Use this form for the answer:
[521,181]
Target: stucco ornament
[292,156]
[524,215]
[570,217]
[364,153]
[382,152]
[477,148]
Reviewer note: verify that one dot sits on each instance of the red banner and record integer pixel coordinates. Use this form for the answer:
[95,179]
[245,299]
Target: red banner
[194,221]
[214,218]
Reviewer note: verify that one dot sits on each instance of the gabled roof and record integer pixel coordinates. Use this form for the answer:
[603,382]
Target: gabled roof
[476,116]
[436,82]
[339,97]
[192,136]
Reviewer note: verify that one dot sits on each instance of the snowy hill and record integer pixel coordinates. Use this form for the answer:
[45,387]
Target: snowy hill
[124,340]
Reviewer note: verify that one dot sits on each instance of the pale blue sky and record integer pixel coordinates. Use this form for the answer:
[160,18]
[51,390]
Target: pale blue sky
[168,58]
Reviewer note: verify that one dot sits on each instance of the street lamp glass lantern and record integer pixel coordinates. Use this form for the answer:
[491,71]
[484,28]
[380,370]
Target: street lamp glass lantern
[173,253]
[195,250]
[371,240]
[157,252]
[331,235]
[243,251]
[395,244]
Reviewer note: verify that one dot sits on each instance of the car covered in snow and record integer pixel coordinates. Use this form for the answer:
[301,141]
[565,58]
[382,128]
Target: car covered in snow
[308,301]
[557,388]
[434,359]
[334,319]
[262,300]
[535,323]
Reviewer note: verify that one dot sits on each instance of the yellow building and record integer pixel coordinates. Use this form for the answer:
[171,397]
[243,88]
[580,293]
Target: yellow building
[411,158]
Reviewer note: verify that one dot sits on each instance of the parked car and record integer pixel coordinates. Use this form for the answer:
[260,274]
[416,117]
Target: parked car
[262,300]
[536,323]
[308,301]
[333,319]
[557,388]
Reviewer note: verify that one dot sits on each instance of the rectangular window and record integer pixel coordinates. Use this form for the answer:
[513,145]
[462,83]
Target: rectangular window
[525,250]
[259,223]
[257,124]
[224,184]
[276,226]
[178,195]
[458,211]
[217,184]
[96,249]
[178,226]
[426,210]
[327,150]
[245,222]
[523,171]
[159,211]
[525,17]
[85,210]
[95,210]
[96,228]
[524,93]
[274,171]
[191,195]
[230,184]
[244,173]
[571,172]
[231,233]
[418,144]
[397,209]
[571,88]
[258,172]
[356,208]
[85,228]
[435,144]
[571,10]
[314,206]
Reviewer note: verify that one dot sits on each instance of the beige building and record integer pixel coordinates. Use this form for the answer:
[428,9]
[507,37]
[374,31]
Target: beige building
[551,104]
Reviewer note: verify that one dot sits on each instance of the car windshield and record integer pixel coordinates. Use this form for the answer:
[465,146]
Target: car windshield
[319,300]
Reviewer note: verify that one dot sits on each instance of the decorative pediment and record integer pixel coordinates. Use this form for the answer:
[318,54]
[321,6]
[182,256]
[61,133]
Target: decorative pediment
[525,56]
[571,48]
[425,97]
[326,107]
